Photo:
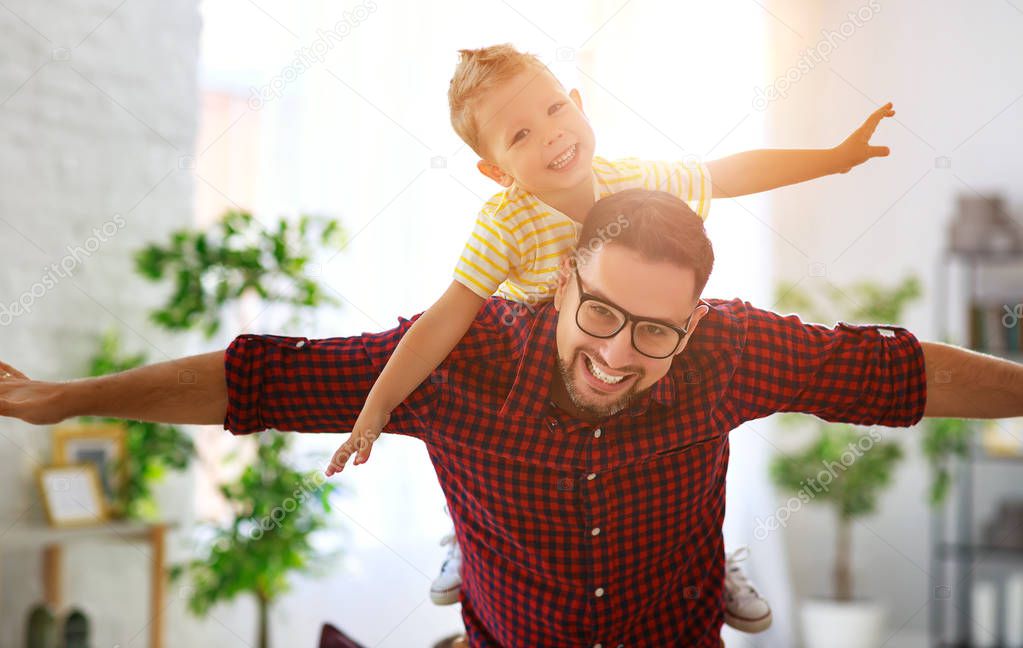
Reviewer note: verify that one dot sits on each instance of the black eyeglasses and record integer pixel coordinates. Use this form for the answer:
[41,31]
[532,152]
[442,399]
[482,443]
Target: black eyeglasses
[602,319]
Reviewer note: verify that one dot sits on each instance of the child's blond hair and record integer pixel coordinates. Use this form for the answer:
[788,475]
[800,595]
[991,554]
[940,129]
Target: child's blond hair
[479,71]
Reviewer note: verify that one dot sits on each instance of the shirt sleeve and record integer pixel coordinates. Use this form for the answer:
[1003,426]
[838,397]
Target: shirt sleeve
[688,180]
[864,375]
[303,385]
[488,257]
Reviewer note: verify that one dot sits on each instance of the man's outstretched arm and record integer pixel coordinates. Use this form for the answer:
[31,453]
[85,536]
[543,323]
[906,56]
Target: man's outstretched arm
[966,384]
[186,390]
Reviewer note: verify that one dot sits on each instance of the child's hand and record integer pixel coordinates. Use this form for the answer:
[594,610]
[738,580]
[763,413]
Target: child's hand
[856,148]
[365,431]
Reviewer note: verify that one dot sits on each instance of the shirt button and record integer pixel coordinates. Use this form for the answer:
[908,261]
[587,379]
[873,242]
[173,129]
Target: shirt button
[591,476]
[595,531]
[300,344]
[598,592]
[598,645]
[597,433]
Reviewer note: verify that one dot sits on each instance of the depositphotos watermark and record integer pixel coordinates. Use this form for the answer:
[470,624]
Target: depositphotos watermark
[1013,315]
[820,483]
[812,56]
[313,54]
[581,253]
[273,520]
[61,270]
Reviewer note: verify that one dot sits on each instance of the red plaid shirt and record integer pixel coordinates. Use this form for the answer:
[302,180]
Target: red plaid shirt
[575,533]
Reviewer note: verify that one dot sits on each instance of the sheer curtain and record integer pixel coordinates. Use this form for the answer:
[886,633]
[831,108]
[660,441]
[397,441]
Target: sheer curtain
[338,109]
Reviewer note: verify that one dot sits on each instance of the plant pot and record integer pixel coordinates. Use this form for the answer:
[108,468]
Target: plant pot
[834,624]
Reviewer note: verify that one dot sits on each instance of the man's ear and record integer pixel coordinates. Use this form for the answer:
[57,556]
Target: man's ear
[564,274]
[698,315]
[577,98]
[495,173]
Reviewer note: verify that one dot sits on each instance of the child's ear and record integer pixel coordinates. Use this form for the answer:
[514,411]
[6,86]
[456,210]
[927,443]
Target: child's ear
[577,98]
[495,173]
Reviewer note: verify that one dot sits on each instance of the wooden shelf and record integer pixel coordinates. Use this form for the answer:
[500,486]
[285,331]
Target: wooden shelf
[37,535]
[51,541]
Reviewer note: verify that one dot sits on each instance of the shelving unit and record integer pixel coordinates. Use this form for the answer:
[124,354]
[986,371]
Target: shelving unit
[956,553]
[51,542]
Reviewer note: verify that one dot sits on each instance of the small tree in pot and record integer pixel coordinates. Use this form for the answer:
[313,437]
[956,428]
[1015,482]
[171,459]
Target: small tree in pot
[276,508]
[845,467]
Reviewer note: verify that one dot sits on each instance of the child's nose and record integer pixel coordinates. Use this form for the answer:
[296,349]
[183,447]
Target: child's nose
[555,136]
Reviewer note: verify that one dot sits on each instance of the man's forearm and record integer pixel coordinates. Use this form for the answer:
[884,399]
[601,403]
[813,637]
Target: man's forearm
[186,390]
[966,384]
[765,169]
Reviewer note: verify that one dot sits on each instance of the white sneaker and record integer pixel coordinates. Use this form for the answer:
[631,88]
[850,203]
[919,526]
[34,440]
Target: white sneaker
[447,585]
[745,609]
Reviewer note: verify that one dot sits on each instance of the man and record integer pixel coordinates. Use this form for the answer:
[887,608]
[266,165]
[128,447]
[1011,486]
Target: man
[582,449]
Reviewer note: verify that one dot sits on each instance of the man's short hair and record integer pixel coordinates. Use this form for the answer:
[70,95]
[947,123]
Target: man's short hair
[655,224]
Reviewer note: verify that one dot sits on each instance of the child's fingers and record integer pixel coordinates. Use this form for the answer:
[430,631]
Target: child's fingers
[878,151]
[879,114]
[364,453]
[340,458]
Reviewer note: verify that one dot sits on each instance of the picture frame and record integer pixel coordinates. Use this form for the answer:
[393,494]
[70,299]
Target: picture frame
[72,495]
[99,444]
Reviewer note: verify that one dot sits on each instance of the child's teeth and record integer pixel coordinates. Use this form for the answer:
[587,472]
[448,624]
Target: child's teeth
[564,159]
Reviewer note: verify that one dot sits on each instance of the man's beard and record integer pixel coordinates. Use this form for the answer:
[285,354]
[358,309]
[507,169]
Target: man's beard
[595,411]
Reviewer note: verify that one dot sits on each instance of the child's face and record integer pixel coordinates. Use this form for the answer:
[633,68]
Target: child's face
[535,134]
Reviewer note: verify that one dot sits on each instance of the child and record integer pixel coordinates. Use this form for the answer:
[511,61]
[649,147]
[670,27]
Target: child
[534,140]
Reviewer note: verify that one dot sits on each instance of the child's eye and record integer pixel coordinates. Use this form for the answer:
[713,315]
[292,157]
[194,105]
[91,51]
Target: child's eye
[555,108]
[519,135]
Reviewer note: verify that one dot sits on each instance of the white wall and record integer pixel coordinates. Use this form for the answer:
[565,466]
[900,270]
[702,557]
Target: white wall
[953,70]
[97,107]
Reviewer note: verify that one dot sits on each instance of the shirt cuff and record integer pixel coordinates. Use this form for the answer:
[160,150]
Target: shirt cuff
[901,389]
[245,363]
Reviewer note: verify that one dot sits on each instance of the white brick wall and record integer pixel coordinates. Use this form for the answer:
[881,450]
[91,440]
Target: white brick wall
[97,106]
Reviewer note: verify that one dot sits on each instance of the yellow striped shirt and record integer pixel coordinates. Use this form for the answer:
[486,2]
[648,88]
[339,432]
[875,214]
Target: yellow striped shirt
[518,240]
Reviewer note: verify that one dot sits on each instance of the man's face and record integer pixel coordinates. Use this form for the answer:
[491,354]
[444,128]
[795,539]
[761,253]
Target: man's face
[659,291]
[535,133]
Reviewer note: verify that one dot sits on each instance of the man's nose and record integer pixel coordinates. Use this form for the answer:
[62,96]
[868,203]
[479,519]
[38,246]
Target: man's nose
[618,350]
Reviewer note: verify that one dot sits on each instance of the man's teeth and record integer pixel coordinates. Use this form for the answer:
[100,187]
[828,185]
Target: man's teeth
[603,377]
[565,158]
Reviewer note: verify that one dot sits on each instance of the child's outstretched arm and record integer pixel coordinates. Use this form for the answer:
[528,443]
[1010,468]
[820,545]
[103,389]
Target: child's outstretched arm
[755,171]
[421,350]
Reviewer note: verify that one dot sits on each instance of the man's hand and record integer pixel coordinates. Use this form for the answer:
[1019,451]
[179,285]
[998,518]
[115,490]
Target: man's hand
[31,401]
[856,149]
[186,390]
[365,432]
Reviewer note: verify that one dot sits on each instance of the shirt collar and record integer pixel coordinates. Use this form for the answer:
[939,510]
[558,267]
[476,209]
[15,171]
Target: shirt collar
[530,393]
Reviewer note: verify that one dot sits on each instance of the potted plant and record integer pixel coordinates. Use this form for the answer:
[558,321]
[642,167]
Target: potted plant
[942,442]
[276,508]
[845,467]
[277,511]
[150,449]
